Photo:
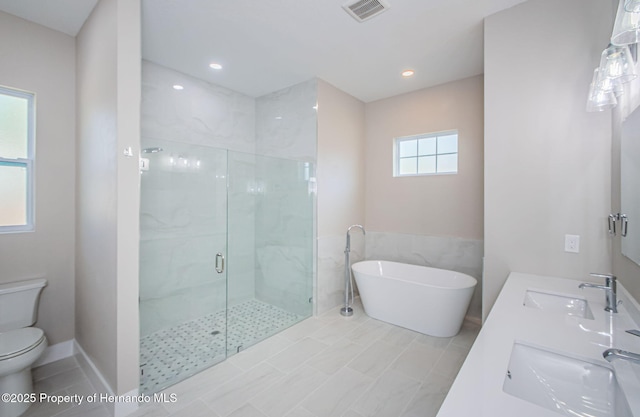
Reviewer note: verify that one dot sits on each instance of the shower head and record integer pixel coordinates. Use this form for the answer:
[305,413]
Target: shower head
[152,150]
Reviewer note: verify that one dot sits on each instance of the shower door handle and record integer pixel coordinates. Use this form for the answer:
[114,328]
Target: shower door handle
[219,263]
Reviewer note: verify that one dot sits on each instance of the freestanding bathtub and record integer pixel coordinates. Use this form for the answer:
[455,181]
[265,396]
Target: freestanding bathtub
[428,300]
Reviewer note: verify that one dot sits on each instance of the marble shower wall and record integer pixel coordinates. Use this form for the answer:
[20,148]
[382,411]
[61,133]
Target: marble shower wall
[201,113]
[184,208]
[286,122]
[456,254]
[184,211]
[241,228]
[286,127]
[285,234]
[182,225]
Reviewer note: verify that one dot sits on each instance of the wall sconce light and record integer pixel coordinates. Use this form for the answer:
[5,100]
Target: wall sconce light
[626,29]
[632,6]
[616,64]
[618,60]
[600,99]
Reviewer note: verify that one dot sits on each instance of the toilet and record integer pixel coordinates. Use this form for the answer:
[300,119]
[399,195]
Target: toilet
[20,344]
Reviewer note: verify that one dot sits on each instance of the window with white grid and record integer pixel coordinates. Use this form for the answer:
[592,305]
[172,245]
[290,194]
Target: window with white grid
[426,154]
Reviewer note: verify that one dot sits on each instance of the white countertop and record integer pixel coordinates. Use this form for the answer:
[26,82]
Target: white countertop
[477,390]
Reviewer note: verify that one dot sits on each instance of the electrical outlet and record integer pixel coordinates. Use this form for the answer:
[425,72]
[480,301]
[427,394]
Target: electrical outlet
[572,243]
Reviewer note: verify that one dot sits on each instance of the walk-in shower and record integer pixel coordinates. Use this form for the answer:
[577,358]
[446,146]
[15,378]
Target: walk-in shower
[227,208]
[226,255]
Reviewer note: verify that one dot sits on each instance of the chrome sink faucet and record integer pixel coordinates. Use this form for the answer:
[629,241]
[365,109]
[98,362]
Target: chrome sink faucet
[611,354]
[610,288]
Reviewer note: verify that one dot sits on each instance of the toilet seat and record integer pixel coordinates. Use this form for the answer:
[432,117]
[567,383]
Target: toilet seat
[16,342]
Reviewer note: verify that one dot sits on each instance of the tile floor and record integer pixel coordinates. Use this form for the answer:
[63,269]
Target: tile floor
[64,377]
[173,353]
[325,366]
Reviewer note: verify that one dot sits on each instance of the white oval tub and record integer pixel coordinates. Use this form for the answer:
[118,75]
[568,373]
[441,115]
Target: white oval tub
[428,300]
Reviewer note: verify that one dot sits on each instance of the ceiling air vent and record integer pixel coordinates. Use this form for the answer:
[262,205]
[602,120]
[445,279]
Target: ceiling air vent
[365,9]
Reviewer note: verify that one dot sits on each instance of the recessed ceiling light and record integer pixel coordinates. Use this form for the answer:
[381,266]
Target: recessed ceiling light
[215,66]
[408,73]
[178,87]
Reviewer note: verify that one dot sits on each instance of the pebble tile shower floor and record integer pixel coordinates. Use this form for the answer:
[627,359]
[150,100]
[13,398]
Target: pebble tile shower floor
[172,354]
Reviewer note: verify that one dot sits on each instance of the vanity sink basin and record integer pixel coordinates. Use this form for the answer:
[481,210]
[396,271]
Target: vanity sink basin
[563,384]
[558,303]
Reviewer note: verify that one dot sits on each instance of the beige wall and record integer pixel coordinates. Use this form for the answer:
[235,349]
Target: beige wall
[547,161]
[129,98]
[433,220]
[340,201]
[42,61]
[340,172]
[436,205]
[108,71]
[96,223]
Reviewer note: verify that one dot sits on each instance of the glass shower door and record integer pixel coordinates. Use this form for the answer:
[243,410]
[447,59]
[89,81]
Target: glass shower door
[183,246]
[270,229]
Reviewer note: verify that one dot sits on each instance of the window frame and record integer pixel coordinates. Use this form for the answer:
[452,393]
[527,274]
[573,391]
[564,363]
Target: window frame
[28,163]
[396,153]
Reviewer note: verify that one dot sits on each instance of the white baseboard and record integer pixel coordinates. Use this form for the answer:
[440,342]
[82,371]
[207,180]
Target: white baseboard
[117,408]
[55,353]
[72,348]
[95,376]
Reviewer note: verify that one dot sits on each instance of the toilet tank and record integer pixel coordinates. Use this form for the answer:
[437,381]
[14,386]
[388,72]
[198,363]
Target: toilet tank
[19,303]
